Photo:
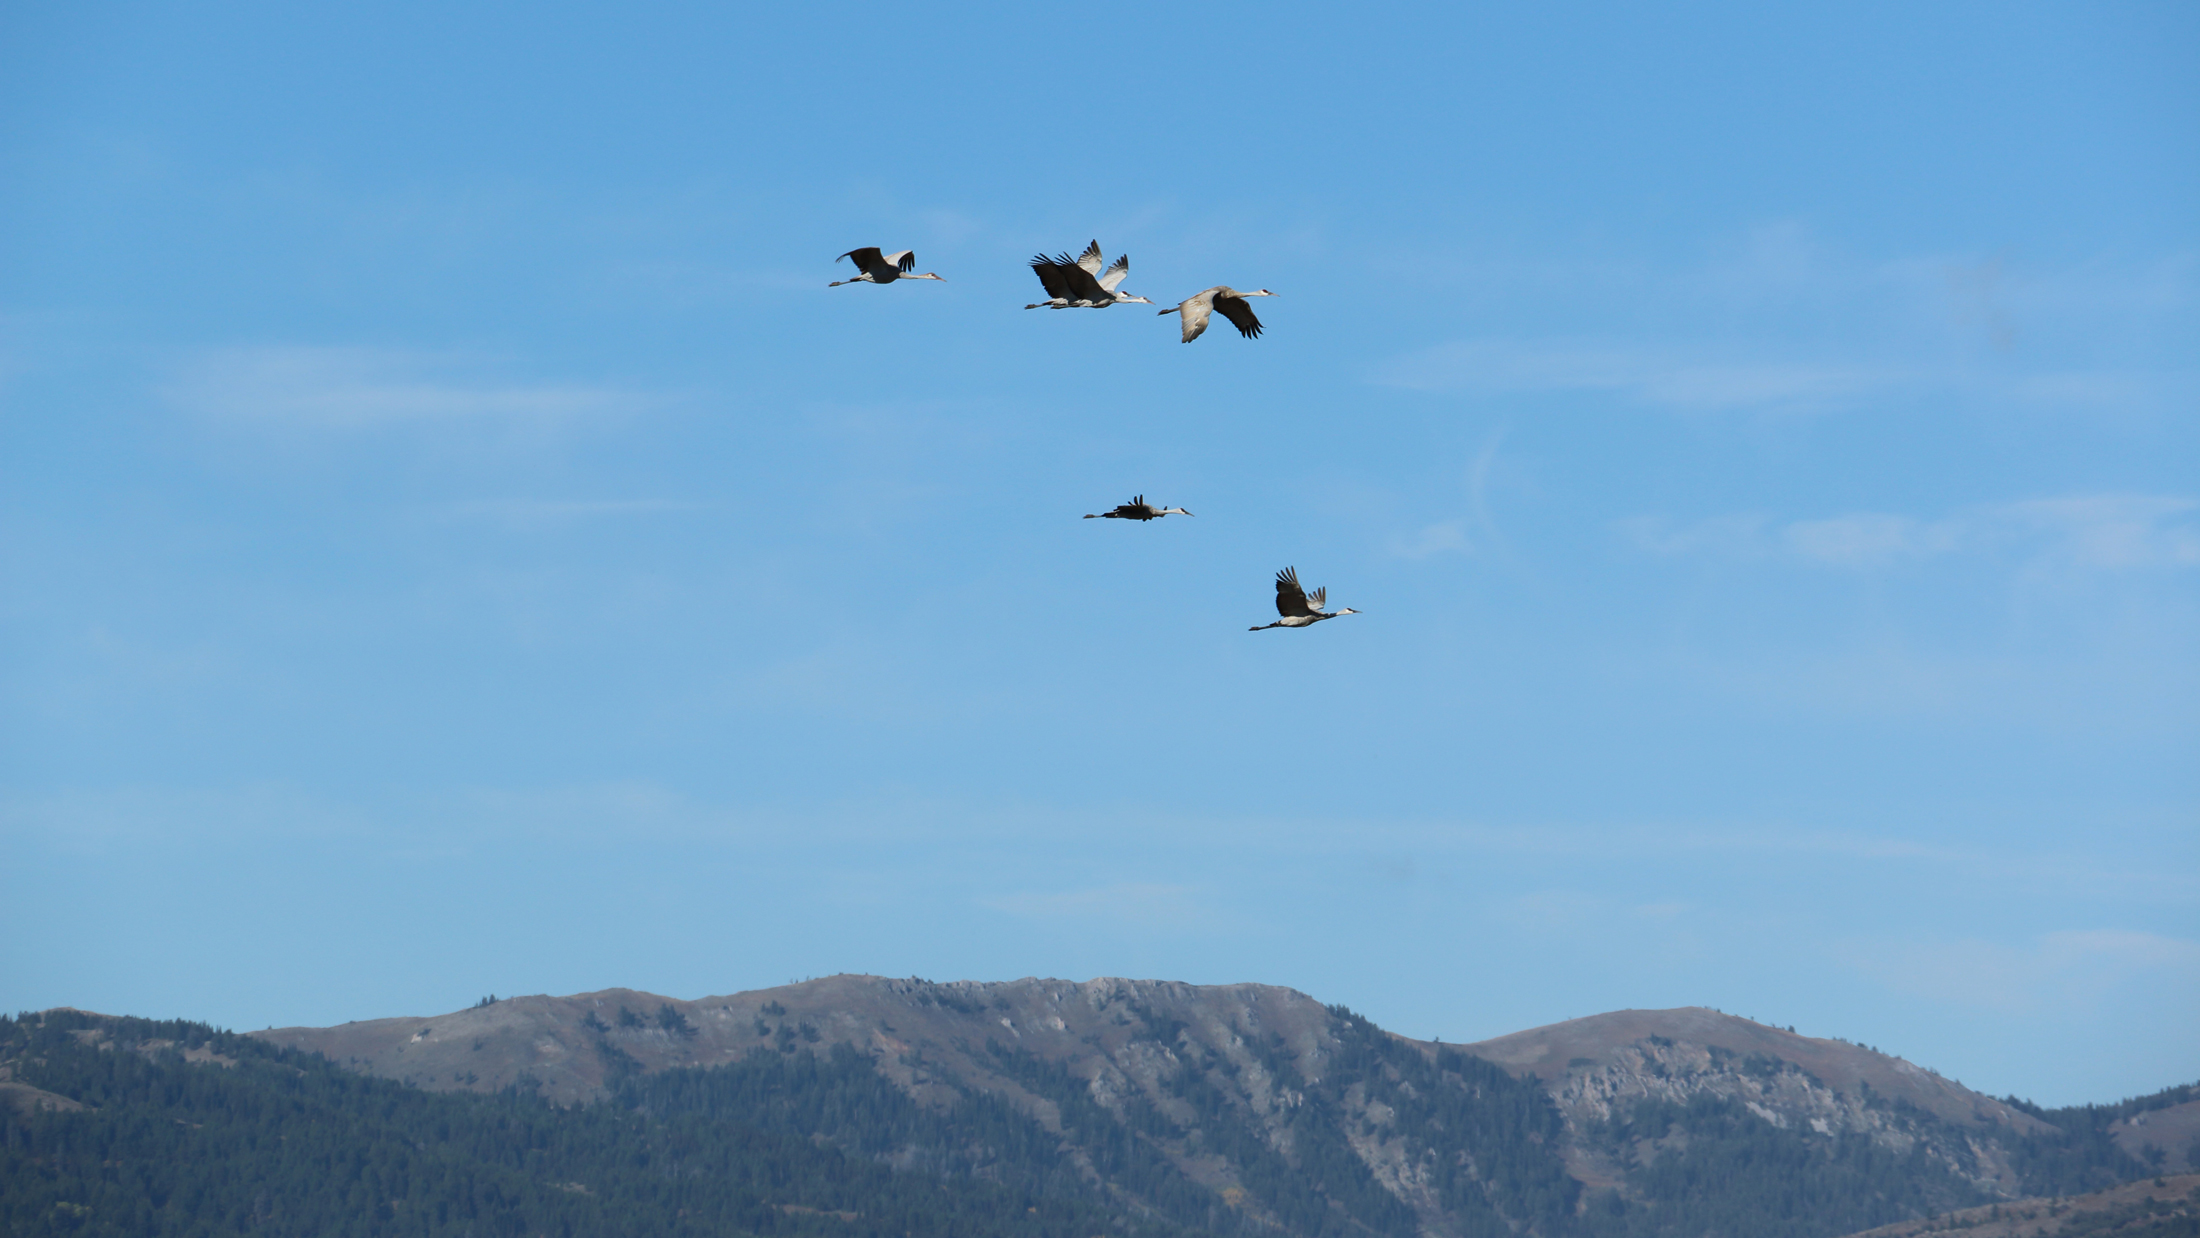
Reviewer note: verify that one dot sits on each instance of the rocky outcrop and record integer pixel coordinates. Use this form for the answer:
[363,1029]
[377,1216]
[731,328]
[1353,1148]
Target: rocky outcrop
[1600,1067]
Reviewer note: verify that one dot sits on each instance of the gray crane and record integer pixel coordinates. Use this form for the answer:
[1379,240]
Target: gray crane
[1079,283]
[1297,608]
[873,267]
[1137,509]
[1220,297]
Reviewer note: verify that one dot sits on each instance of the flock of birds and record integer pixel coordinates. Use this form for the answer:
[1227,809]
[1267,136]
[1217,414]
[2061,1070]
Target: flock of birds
[1089,281]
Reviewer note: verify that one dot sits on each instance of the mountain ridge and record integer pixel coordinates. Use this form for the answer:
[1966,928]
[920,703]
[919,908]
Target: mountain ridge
[1125,1040]
[1177,1110]
[1549,1052]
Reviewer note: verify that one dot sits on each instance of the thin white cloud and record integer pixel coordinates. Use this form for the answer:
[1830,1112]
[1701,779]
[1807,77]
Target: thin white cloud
[1732,536]
[2113,530]
[528,514]
[1477,534]
[360,387]
[1551,910]
[1650,376]
[2103,532]
[1864,538]
[1721,336]
[1137,903]
[1445,536]
[2055,969]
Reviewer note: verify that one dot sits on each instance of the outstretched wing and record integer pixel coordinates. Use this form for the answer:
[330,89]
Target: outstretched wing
[1091,258]
[864,258]
[1052,274]
[1116,273]
[906,260]
[1290,599]
[1240,315]
[1082,286]
[1318,598]
[1194,312]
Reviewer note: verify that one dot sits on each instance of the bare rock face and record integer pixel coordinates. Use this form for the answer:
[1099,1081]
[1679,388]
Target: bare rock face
[1567,1050]
[1600,1067]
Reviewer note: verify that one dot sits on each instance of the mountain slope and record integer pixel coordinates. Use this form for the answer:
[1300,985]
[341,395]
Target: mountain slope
[177,1129]
[2150,1208]
[1295,1116]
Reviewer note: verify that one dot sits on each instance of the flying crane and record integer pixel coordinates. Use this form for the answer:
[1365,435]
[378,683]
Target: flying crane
[1299,610]
[1229,301]
[873,267]
[1137,509]
[1079,283]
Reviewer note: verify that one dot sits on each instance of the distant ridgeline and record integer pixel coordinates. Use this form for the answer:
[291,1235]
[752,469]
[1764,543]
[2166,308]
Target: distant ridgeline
[861,1108]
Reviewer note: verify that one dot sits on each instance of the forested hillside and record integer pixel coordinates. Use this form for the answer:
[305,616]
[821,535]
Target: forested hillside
[255,1139]
[1189,1116]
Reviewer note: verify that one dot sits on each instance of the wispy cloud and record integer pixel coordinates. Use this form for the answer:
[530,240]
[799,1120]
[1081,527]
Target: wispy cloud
[1782,322]
[2074,966]
[1475,534]
[1652,376]
[359,387]
[1439,538]
[2102,532]
[1134,903]
[531,514]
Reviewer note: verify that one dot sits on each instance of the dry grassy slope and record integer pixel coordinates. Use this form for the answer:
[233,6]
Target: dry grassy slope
[23,1098]
[924,1033]
[2175,1131]
[2133,1210]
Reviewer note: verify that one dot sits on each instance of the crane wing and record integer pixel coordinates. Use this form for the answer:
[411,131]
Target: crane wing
[1051,276]
[1290,599]
[864,258]
[1194,312]
[906,260]
[1116,273]
[1083,286]
[1091,258]
[1240,315]
[1319,598]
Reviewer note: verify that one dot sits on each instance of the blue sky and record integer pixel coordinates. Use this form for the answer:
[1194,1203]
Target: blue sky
[456,542]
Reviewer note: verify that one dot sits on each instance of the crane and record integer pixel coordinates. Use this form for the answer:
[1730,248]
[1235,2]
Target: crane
[1220,297]
[1079,283]
[1297,608]
[873,267]
[1138,509]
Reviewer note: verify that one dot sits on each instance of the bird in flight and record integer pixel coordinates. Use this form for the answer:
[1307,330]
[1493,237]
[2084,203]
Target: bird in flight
[1079,283]
[1220,297]
[873,267]
[1297,608]
[1137,509]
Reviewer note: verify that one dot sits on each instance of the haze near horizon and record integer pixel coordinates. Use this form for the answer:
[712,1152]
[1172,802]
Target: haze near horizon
[457,543]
